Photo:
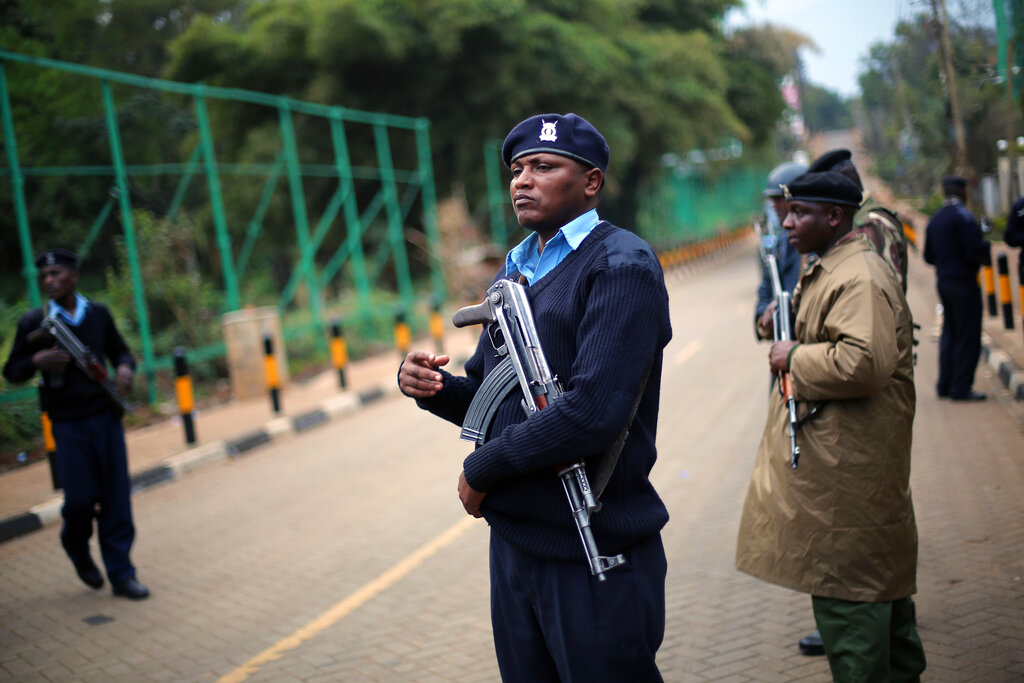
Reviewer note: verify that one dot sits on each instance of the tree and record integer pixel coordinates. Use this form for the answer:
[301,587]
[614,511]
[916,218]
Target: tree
[907,119]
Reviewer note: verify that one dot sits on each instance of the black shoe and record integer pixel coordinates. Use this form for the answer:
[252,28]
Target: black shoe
[811,644]
[971,396]
[131,589]
[89,573]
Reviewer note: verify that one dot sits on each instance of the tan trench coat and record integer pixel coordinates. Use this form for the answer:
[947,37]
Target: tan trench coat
[842,524]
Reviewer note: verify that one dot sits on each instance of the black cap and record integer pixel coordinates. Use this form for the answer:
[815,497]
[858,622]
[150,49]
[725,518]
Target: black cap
[57,257]
[568,135]
[832,160]
[829,188]
[954,182]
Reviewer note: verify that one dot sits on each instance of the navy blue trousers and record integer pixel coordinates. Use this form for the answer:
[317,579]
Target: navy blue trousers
[553,621]
[960,343]
[93,464]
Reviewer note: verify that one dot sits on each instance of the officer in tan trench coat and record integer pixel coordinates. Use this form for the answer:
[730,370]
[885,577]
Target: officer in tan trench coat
[841,525]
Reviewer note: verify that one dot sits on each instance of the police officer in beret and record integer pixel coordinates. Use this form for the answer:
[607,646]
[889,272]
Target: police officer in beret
[599,301]
[955,246]
[880,224]
[841,526]
[91,456]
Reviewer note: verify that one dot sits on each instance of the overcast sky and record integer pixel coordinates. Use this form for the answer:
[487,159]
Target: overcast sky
[843,30]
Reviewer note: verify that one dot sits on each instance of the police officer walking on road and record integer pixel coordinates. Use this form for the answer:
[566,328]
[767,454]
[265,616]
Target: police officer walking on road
[599,302]
[955,246]
[91,455]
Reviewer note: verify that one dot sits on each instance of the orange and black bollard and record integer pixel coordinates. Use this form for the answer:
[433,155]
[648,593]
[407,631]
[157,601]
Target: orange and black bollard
[989,282]
[49,443]
[437,328]
[339,352]
[186,398]
[403,336]
[273,377]
[1005,298]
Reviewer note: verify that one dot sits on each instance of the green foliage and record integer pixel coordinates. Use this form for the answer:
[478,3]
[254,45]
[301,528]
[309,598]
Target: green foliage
[907,121]
[650,74]
[183,307]
[825,110]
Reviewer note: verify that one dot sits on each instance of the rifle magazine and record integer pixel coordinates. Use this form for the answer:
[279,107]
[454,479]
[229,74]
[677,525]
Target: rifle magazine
[499,384]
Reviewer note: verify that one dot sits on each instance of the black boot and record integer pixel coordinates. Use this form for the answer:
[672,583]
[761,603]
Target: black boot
[811,644]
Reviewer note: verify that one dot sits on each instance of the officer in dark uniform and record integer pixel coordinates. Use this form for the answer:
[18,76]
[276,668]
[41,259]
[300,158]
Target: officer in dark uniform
[91,455]
[955,246]
[1014,235]
[788,258]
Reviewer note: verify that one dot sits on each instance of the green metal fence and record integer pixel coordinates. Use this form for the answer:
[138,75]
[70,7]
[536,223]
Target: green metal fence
[386,211]
[690,207]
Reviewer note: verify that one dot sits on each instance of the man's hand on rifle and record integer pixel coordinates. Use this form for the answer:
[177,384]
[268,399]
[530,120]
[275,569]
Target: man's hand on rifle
[766,323]
[470,497]
[778,357]
[418,377]
[123,379]
[51,360]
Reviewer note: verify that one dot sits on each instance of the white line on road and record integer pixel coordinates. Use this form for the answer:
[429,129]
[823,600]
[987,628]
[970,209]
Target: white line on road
[351,603]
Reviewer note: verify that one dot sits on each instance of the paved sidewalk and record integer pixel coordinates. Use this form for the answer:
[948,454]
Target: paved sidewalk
[158,453]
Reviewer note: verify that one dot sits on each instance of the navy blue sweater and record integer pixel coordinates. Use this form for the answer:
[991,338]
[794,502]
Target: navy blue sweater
[953,243]
[80,396]
[602,316]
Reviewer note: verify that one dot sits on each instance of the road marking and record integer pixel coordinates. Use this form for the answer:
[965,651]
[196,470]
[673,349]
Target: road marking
[688,352]
[351,603]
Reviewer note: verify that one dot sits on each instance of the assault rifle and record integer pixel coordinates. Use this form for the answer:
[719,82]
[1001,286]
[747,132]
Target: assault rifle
[782,327]
[509,323]
[53,328]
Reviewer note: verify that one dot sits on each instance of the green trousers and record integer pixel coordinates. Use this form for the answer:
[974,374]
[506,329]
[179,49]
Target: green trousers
[870,642]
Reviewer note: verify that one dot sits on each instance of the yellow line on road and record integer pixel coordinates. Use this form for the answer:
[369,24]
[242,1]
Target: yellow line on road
[351,603]
[688,352]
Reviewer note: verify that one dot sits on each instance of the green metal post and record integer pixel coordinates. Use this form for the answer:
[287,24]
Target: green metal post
[94,231]
[18,194]
[353,226]
[497,197]
[256,224]
[428,199]
[183,183]
[323,226]
[394,214]
[125,201]
[306,260]
[220,223]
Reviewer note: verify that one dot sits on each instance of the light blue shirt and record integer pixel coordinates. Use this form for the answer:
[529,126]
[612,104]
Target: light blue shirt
[529,262]
[81,304]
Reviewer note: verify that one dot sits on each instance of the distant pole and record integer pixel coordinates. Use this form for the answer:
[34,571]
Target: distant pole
[946,54]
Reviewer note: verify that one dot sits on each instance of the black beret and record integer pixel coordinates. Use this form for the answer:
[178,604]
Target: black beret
[955,182]
[828,187]
[568,135]
[832,160]
[57,257]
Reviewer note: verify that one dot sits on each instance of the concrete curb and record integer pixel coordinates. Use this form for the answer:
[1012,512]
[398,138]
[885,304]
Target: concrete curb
[177,466]
[1005,368]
